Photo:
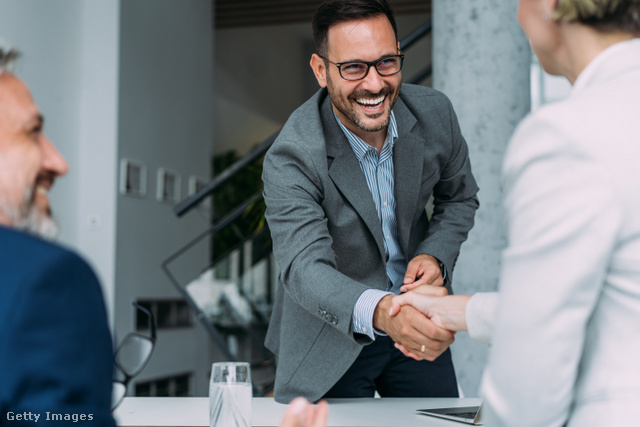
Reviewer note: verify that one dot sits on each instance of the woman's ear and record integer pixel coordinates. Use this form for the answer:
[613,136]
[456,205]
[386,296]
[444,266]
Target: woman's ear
[549,6]
[319,69]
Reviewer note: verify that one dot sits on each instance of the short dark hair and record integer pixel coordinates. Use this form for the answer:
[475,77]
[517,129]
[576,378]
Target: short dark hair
[332,12]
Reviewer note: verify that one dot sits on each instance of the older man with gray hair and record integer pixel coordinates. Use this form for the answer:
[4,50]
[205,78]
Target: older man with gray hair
[55,345]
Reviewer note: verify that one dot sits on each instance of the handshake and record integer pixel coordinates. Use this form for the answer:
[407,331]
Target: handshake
[436,316]
[423,320]
[443,315]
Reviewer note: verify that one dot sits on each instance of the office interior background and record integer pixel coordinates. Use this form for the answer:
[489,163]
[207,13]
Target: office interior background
[141,96]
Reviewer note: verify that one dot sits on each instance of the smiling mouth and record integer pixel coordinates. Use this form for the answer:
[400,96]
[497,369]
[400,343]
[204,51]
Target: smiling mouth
[41,188]
[371,103]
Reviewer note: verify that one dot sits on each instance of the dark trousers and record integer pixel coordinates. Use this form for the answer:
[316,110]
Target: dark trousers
[382,367]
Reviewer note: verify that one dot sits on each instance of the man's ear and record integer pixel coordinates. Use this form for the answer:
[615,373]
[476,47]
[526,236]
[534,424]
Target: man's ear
[319,69]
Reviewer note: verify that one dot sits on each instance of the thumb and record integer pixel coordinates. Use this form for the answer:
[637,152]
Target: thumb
[396,304]
[412,273]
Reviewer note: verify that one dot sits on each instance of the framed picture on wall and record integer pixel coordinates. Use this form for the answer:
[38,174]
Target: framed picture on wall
[168,186]
[133,178]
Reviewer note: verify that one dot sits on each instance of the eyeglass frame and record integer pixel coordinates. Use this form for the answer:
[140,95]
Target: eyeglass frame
[152,337]
[368,64]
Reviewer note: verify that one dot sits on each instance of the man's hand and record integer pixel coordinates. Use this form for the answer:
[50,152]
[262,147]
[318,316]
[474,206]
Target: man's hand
[422,270]
[412,330]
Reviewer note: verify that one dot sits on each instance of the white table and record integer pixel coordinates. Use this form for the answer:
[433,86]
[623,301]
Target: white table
[363,412]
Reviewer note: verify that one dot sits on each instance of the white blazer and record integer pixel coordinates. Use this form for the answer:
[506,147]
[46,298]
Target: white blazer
[566,342]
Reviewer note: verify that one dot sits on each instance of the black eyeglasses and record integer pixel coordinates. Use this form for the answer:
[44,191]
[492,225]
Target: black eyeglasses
[131,356]
[387,66]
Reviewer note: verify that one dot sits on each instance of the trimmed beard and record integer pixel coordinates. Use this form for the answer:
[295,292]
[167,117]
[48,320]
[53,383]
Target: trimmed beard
[29,218]
[349,111]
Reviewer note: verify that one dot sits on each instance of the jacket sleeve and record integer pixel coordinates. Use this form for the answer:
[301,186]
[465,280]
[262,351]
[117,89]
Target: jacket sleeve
[563,218]
[59,357]
[302,243]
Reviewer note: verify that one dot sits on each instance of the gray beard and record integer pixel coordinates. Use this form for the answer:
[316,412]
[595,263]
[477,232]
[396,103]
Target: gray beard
[29,218]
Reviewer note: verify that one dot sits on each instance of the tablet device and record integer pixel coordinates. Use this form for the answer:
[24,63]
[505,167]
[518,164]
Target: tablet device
[463,414]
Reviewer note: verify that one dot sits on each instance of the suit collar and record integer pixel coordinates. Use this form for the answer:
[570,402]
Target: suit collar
[344,171]
[408,155]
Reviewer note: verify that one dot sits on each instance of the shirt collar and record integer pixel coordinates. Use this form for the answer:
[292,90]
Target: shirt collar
[360,147]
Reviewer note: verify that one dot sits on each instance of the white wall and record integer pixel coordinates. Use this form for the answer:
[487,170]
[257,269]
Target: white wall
[124,79]
[165,114]
[70,64]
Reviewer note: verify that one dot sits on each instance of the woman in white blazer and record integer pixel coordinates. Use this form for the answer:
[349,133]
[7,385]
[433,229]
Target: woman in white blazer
[566,323]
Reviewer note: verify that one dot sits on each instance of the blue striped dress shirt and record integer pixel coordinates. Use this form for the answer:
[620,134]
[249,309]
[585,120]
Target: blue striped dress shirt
[378,172]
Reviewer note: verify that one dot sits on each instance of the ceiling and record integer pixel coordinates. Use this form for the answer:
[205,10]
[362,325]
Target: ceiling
[244,13]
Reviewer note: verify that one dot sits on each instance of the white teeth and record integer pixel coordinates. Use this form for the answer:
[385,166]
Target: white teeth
[365,101]
[41,190]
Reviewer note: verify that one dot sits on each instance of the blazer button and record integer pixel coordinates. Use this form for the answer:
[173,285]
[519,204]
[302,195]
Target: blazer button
[334,320]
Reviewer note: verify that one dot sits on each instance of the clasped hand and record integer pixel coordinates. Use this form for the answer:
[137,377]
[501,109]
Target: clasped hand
[415,334]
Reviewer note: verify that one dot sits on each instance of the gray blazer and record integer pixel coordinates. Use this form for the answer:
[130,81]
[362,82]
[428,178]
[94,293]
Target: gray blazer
[327,238]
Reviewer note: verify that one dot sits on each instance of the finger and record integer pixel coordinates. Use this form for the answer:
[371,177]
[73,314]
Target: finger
[420,335]
[294,414]
[395,308]
[430,290]
[309,415]
[396,304]
[431,276]
[437,280]
[322,413]
[413,271]
[407,352]
[423,327]
[408,287]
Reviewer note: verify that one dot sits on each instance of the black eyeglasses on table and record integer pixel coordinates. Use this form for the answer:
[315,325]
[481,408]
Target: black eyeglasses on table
[357,70]
[131,356]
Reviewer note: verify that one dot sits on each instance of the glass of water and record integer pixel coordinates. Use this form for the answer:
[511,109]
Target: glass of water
[230,395]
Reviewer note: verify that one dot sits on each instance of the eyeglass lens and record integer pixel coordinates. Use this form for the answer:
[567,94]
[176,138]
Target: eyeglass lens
[357,70]
[133,353]
[117,394]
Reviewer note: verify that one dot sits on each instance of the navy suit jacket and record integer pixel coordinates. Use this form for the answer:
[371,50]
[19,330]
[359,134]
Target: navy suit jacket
[56,355]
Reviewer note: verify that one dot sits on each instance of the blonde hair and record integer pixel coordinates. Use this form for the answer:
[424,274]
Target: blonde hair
[604,15]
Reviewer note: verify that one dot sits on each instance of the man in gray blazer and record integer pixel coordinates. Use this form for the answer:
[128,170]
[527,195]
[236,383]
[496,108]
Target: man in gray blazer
[346,185]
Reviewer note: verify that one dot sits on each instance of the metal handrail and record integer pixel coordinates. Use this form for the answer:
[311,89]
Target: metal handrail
[190,202]
[420,32]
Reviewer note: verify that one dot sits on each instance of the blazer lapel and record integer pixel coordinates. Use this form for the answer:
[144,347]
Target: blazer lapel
[408,155]
[346,174]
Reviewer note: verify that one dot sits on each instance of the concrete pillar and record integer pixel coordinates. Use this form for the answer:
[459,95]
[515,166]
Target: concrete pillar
[481,61]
